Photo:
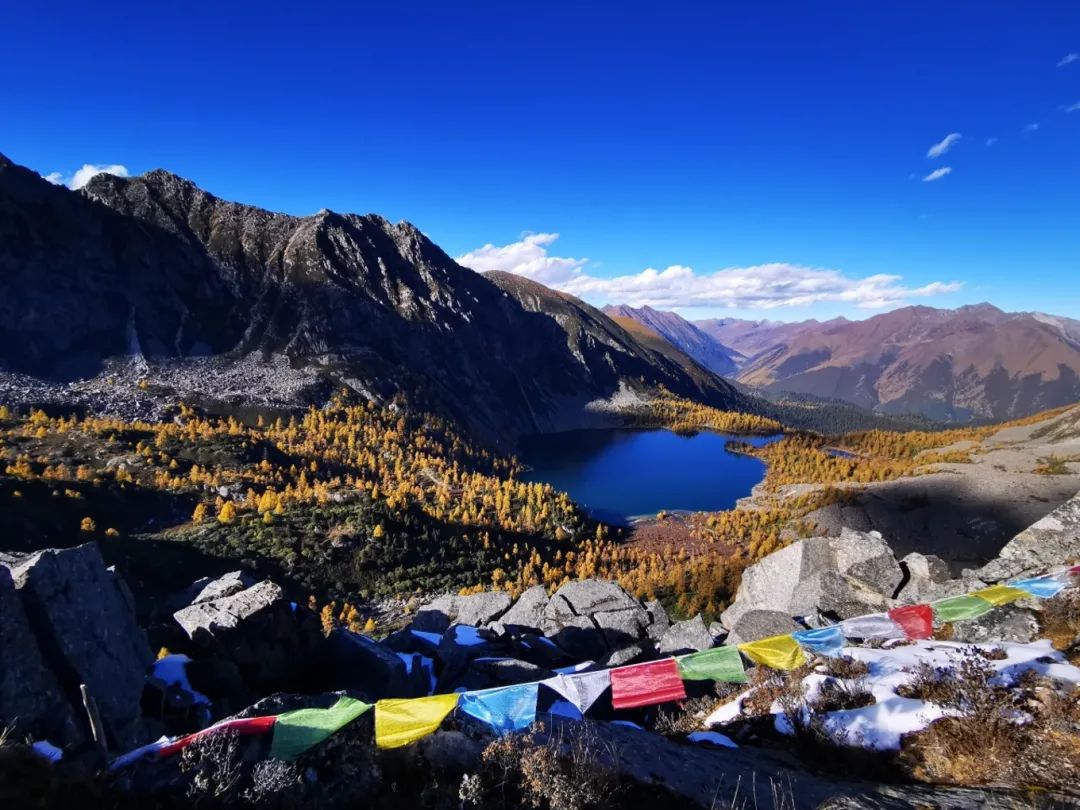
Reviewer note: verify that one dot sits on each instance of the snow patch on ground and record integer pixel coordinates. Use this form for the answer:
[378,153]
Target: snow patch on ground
[880,725]
[711,737]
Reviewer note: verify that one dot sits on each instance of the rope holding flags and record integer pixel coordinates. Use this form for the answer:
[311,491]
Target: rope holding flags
[399,722]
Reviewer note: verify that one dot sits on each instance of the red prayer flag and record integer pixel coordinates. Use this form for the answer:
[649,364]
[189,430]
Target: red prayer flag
[247,725]
[646,684]
[917,621]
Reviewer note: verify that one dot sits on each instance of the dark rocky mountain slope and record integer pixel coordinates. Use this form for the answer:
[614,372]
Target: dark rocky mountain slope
[206,297]
[697,343]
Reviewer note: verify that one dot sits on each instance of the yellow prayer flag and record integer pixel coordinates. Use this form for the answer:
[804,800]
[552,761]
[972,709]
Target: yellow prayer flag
[1000,594]
[400,722]
[777,652]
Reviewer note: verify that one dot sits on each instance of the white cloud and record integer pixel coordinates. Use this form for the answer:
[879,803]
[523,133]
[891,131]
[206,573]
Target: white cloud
[765,286]
[82,176]
[937,174]
[1068,59]
[1074,107]
[943,146]
[991,140]
[1031,128]
[527,257]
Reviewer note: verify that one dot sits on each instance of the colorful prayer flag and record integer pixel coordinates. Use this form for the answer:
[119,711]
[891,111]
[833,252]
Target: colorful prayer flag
[777,652]
[580,688]
[243,726]
[295,732]
[717,664]
[876,625]
[821,640]
[917,621]
[959,608]
[1000,594]
[646,684]
[400,722]
[1042,587]
[505,709]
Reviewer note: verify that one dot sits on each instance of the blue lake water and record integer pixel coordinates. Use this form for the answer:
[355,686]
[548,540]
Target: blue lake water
[620,473]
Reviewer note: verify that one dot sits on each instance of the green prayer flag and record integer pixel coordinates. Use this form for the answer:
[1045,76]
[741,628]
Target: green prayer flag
[717,664]
[296,732]
[960,607]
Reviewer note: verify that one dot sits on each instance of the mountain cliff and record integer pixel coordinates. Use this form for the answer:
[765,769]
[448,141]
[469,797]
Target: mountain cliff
[156,269]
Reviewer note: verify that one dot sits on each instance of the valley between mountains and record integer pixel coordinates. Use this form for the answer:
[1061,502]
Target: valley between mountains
[329,414]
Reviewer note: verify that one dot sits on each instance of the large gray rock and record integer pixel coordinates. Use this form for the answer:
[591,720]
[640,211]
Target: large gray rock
[924,573]
[355,662]
[208,589]
[504,671]
[589,596]
[527,612]
[659,621]
[271,641]
[866,557]
[1003,623]
[437,615]
[622,626]
[86,628]
[758,624]
[481,608]
[31,701]
[773,582]
[688,636]
[477,609]
[1050,542]
[839,576]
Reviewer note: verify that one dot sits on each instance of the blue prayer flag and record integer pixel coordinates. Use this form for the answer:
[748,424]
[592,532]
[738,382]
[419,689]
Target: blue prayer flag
[505,709]
[823,641]
[1042,587]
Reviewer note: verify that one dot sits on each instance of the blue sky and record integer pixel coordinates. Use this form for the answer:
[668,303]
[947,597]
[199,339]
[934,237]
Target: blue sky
[756,159]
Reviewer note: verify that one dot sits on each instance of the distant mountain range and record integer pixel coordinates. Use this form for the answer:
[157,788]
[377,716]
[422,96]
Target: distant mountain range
[196,290]
[975,362]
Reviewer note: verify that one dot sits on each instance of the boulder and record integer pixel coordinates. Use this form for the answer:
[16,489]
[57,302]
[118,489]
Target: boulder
[1003,623]
[659,621]
[1052,541]
[644,650]
[865,556]
[271,641]
[923,571]
[773,581]
[481,608]
[87,633]
[436,616]
[504,671]
[451,752]
[621,626]
[527,612]
[757,624]
[31,701]
[838,597]
[208,589]
[839,576]
[688,636]
[588,596]
[358,663]
[580,638]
